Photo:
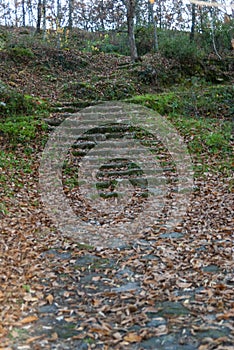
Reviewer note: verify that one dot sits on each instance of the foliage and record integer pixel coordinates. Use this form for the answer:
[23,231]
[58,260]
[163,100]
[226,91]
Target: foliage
[200,121]
[3,39]
[178,46]
[223,33]
[21,128]
[12,103]
[144,39]
[109,42]
[20,53]
[20,119]
[192,100]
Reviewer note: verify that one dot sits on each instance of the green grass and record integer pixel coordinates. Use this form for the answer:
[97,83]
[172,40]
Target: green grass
[191,100]
[203,120]
[21,128]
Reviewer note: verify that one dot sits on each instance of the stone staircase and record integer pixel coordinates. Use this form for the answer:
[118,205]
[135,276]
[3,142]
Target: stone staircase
[60,110]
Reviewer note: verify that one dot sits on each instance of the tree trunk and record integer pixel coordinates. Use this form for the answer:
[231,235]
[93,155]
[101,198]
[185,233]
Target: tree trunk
[16,13]
[131,8]
[23,13]
[38,27]
[192,32]
[102,15]
[58,24]
[213,33]
[153,21]
[30,13]
[160,15]
[70,14]
[44,18]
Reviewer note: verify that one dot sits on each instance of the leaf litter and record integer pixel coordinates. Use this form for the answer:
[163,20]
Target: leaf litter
[127,298]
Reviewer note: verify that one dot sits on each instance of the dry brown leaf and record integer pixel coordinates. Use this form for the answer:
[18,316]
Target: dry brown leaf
[100,330]
[161,330]
[2,331]
[50,298]
[79,336]
[70,319]
[29,297]
[183,284]
[226,315]
[54,336]
[204,347]
[96,302]
[96,278]
[132,338]
[31,340]
[117,335]
[29,319]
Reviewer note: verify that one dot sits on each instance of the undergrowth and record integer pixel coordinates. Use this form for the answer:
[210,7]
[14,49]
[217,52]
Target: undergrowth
[14,103]
[204,120]
[20,129]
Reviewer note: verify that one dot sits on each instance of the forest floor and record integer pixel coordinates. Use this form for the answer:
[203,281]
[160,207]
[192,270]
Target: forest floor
[164,289]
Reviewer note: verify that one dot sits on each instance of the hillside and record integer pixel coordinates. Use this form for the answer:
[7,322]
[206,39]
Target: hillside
[162,288]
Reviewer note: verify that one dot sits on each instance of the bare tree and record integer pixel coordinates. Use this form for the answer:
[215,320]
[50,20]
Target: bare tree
[131,11]
[23,12]
[58,23]
[70,13]
[16,5]
[192,32]
[152,18]
[30,11]
[39,12]
[44,18]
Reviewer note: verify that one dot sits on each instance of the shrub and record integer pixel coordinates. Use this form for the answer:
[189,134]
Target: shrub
[13,103]
[178,46]
[145,39]
[21,128]
[20,53]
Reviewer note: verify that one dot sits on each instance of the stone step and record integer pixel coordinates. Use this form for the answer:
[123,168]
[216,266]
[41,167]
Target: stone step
[78,104]
[66,109]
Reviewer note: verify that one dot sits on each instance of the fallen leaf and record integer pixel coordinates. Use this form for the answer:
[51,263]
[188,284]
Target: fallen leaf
[32,339]
[161,330]
[132,338]
[50,298]
[29,319]
[54,336]
[96,278]
[183,284]
[117,335]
